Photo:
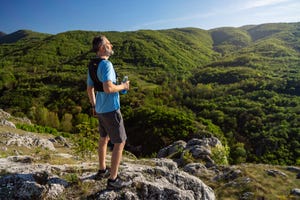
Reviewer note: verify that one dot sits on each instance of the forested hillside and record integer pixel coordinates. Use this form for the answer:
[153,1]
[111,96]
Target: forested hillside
[239,84]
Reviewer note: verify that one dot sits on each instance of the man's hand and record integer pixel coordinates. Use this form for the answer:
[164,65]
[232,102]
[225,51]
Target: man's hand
[126,85]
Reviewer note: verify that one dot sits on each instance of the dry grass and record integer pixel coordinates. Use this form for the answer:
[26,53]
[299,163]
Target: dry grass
[40,155]
[256,181]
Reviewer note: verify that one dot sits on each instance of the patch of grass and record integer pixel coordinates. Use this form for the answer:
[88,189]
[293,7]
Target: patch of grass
[256,181]
[61,160]
[146,162]
[72,178]
[188,158]
[129,156]
[6,129]
[14,150]
[84,190]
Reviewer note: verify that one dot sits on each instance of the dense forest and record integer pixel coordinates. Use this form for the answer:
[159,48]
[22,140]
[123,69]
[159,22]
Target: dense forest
[241,85]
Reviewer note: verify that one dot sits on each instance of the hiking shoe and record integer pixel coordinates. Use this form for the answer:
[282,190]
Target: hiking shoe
[102,174]
[118,183]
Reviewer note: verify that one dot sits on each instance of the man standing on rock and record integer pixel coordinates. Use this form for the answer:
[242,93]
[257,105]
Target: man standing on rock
[106,105]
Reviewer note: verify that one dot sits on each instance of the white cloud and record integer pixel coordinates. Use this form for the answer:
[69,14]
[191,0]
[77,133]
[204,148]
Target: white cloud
[172,20]
[261,3]
[281,13]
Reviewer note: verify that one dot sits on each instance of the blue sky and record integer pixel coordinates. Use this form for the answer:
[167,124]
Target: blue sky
[56,16]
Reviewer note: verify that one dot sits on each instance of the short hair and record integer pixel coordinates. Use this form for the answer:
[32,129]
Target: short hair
[97,42]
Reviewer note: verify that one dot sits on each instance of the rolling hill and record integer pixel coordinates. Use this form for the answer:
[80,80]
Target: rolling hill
[239,84]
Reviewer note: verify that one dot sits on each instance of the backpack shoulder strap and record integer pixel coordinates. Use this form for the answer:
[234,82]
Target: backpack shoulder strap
[93,67]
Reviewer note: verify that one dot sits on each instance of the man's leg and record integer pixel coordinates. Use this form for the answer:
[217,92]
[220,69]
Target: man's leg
[102,148]
[116,159]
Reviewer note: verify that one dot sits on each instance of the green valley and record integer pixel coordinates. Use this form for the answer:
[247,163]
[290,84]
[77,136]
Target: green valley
[241,85]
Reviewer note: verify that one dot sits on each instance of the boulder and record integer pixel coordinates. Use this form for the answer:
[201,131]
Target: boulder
[24,186]
[172,149]
[4,115]
[21,159]
[29,141]
[228,174]
[196,169]
[4,122]
[274,173]
[293,169]
[200,149]
[295,191]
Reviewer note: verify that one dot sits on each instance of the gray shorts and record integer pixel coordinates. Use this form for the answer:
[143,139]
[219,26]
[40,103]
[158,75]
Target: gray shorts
[111,124]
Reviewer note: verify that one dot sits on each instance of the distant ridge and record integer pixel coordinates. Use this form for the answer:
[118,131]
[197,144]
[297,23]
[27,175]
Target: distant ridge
[2,34]
[13,37]
[20,34]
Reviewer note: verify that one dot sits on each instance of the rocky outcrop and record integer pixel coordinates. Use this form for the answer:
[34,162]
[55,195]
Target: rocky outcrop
[199,149]
[162,181]
[29,140]
[4,116]
[28,186]
[156,179]
[5,119]
[5,122]
[26,179]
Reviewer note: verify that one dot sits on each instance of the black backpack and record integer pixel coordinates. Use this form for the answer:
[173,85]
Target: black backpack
[93,67]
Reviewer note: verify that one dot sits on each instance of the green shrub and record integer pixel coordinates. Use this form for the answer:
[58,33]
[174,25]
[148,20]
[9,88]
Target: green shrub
[37,128]
[86,140]
[187,158]
[220,154]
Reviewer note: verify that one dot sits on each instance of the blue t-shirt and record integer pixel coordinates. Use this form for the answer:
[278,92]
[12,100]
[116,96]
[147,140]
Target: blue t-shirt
[105,102]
